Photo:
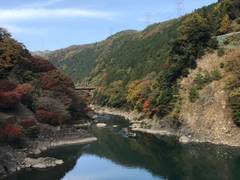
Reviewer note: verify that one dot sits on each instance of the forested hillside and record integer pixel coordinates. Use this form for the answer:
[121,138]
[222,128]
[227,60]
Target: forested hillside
[140,70]
[32,92]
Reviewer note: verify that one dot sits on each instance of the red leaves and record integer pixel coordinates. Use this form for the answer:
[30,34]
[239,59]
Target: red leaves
[55,80]
[146,105]
[38,64]
[10,131]
[28,123]
[9,99]
[51,118]
[6,85]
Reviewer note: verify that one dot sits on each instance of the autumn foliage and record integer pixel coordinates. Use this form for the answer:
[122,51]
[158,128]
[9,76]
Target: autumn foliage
[38,64]
[10,132]
[48,117]
[11,98]
[55,80]
[28,123]
[23,89]
[6,85]
[146,105]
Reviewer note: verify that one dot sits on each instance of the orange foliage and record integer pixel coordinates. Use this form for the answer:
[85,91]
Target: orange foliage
[23,89]
[146,105]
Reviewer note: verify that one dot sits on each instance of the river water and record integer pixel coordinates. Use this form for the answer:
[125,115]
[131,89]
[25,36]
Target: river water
[117,157]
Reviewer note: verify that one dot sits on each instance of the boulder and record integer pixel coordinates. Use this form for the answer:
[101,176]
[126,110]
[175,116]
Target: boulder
[41,163]
[2,172]
[184,140]
[101,125]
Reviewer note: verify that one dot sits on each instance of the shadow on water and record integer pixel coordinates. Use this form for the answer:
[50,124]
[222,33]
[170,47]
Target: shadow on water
[163,158]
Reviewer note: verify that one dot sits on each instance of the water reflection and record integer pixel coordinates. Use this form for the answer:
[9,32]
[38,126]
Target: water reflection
[145,157]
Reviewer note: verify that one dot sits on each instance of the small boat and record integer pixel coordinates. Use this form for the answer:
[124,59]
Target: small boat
[132,134]
[127,133]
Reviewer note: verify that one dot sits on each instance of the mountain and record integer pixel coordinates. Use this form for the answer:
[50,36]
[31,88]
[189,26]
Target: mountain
[141,70]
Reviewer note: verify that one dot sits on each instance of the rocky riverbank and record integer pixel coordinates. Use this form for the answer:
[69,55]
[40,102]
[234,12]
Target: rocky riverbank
[15,159]
[161,127]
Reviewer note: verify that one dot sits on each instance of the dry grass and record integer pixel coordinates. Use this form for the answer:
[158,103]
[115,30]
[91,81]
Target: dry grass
[210,117]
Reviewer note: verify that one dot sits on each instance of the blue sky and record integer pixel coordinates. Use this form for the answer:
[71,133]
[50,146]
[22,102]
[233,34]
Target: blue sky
[54,24]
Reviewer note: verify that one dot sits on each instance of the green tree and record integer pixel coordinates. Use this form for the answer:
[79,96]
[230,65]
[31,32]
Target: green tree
[225,25]
[194,29]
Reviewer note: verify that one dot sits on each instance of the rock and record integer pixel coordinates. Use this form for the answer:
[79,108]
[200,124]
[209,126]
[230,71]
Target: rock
[115,126]
[37,151]
[82,125]
[8,160]
[41,163]
[184,139]
[101,125]
[2,172]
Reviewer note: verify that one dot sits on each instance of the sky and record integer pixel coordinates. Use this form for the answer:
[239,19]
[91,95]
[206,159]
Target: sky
[54,24]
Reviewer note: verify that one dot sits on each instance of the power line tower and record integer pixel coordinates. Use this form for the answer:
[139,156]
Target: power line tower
[179,5]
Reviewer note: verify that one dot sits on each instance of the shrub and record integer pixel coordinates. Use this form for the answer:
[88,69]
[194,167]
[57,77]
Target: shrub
[6,85]
[201,79]
[138,92]
[222,65]
[10,133]
[78,105]
[52,111]
[215,75]
[9,99]
[233,67]
[31,129]
[220,52]
[28,123]
[55,80]
[48,117]
[193,94]
[146,105]
[38,64]
[234,98]
[23,89]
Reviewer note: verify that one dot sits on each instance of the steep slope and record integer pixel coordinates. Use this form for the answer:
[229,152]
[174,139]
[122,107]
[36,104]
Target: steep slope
[85,57]
[35,97]
[209,116]
[140,70]
[32,91]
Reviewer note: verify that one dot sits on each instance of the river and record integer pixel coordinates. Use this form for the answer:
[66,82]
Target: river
[145,157]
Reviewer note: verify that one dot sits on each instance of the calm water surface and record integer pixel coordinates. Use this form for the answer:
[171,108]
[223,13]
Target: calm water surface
[146,157]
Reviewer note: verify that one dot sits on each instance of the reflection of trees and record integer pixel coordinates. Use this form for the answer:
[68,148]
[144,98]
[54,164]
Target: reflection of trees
[166,158]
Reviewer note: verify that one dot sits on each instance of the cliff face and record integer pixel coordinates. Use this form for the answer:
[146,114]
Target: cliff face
[209,116]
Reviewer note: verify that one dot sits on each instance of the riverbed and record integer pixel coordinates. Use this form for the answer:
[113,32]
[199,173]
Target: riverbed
[115,156]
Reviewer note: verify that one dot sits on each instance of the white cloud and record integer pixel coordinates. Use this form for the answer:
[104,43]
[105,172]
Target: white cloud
[25,30]
[8,15]
[42,4]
